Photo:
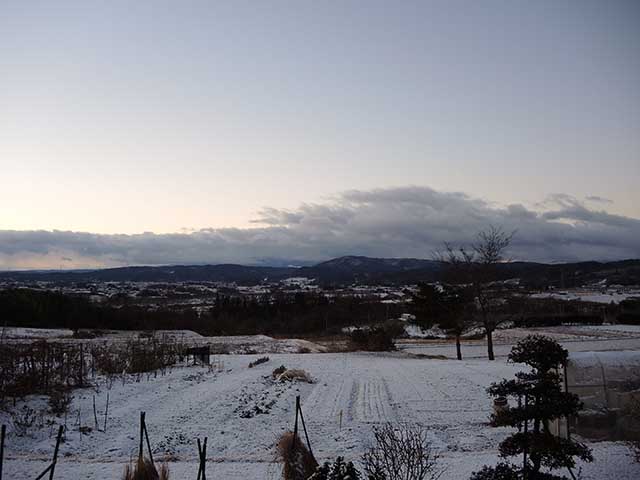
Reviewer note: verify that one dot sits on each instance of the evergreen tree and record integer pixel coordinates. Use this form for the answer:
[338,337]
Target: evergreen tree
[448,306]
[339,470]
[541,400]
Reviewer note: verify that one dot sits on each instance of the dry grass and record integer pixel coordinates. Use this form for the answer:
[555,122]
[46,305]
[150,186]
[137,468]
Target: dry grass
[144,470]
[298,462]
[282,374]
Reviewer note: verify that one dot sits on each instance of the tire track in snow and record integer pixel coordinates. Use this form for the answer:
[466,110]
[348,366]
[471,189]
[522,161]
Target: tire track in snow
[372,401]
[327,399]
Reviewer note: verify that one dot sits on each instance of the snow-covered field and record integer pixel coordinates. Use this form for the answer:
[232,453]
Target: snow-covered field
[583,338]
[447,397]
[590,296]
[34,333]
[227,344]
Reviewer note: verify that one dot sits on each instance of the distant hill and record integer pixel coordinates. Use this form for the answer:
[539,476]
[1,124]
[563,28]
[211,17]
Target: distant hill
[174,273]
[345,270]
[366,269]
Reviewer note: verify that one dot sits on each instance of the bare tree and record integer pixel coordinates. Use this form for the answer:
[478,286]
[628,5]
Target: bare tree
[476,266]
[401,452]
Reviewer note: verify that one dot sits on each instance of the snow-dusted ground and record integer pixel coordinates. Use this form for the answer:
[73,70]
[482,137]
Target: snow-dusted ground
[589,296]
[582,338]
[34,333]
[447,397]
[226,344]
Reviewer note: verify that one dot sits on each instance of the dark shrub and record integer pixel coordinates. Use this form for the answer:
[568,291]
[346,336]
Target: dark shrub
[374,339]
[258,361]
[59,401]
[502,471]
[339,470]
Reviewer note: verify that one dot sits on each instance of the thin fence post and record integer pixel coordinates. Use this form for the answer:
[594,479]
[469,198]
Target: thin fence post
[295,426]
[200,460]
[55,452]
[202,454]
[526,440]
[204,459]
[146,436]
[304,427]
[141,436]
[81,366]
[3,431]
[95,415]
[52,466]
[106,411]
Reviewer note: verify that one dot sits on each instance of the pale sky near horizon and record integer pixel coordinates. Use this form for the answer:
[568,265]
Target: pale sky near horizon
[126,117]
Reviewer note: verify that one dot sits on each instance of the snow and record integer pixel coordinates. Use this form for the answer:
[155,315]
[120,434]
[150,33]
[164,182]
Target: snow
[589,296]
[582,338]
[635,329]
[33,333]
[447,397]
[416,331]
[226,344]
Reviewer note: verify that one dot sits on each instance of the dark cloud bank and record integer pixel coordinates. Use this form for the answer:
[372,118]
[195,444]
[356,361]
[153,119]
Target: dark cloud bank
[397,222]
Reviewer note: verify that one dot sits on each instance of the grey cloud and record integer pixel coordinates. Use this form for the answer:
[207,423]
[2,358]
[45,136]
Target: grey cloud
[395,222]
[598,199]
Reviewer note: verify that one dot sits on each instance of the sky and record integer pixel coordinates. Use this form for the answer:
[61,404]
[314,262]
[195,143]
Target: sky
[155,132]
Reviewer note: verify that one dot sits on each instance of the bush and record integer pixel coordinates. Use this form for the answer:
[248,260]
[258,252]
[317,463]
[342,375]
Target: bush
[60,401]
[23,420]
[502,471]
[544,401]
[401,452]
[339,470]
[258,361]
[138,356]
[39,367]
[374,339]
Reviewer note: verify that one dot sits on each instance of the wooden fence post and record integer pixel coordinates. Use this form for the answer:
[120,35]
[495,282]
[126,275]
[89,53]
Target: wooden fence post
[295,426]
[3,431]
[95,414]
[52,466]
[81,366]
[106,411]
[304,427]
[202,453]
[146,436]
[526,440]
[55,452]
[141,437]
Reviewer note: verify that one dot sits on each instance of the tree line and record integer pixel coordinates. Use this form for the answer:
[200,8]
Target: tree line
[282,314]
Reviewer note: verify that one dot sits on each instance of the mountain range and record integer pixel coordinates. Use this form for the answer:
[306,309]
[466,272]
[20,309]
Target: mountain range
[343,270]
